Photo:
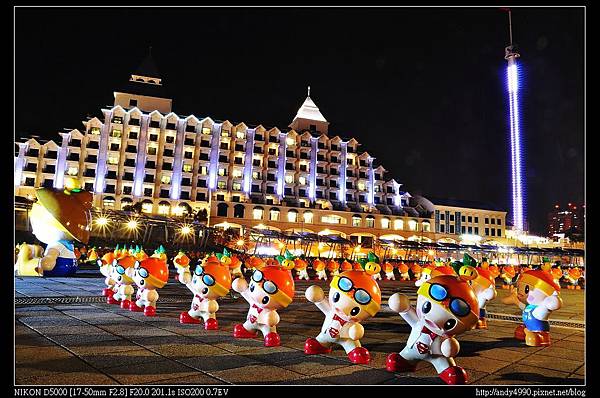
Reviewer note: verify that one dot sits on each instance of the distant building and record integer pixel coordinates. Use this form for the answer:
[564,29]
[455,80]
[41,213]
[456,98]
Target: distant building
[302,178]
[568,221]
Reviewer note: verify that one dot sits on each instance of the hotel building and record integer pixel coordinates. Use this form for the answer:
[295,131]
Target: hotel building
[300,178]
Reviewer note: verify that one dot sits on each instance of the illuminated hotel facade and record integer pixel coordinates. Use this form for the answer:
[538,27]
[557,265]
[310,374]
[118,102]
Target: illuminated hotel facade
[298,179]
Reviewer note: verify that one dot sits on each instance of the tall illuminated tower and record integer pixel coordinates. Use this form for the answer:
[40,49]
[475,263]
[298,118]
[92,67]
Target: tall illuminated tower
[516,143]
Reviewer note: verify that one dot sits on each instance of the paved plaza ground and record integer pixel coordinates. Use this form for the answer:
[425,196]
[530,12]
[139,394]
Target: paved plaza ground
[66,334]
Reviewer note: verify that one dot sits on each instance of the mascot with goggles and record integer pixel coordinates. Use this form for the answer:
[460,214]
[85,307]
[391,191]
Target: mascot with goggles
[148,275]
[211,280]
[122,289]
[484,287]
[446,306]
[537,295]
[271,289]
[105,266]
[354,297]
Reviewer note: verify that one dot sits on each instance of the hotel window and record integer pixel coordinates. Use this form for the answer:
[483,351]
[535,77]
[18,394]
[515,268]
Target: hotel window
[499,221]
[256,162]
[443,228]
[463,229]
[189,155]
[462,218]
[256,175]
[225,145]
[224,133]
[331,219]
[274,215]
[470,219]
[165,179]
[361,186]
[113,160]
[164,209]
[147,207]
[115,133]
[236,186]
[73,171]
[153,137]
[133,135]
[442,216]
[292,216]
[498,232]
[476,230]
[493,221]
[114,147]
[470,229]
[272,151]
[289,179]
[356,221]
[222,172]
[202,170]
[412,225]
[240,135]
[238,160]
[493,232]
[222,184]
[385,223]
[170,139]
[151,150]
[452,217]
[476,220]
[95,131]
[398,224]
[426,226]
[187,167]
[237,173]
[487,220]
[206,130]
[451,229]
[487,231]
[168,152]
[370,222]
[308,217]
[303,167]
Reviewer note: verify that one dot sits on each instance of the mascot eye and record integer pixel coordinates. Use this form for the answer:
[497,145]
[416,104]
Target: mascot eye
[426,307]
[450,323]
[265,300]
[526,289]
[252,287]
[355,311]
[336,297]
[142,282]
[205,290]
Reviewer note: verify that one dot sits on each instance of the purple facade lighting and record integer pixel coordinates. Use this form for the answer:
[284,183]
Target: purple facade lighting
[102,151]
[140,160]
[20,163]
[281,164]
[371,195]
[178,161]
[342,179]
[61,161]
[248,160]
[312,179]
[214,155]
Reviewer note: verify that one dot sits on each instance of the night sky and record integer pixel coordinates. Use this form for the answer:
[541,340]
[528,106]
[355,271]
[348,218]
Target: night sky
[422,89]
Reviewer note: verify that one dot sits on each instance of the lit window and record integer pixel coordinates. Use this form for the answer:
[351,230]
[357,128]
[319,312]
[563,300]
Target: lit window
[426,226]
[289,179]
[187,167]
[73,171]
[370,221]
[308,217]
[356,221]
[147,207]
[302,180]
[163,209]
[412,225]
[113,160]
[256,175]
[95,131]
[385,223]
[116,133]
[361,186]
[292,216]
[236,186]
[202,170]
[165,179]
[221,184]
[274,215]
[290,141]
[178,210]
[224,133]
[206,130]
[240,135]
[331,219]
[237,173]
[221,172]
[398,224]
[257,214]
[109,202]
